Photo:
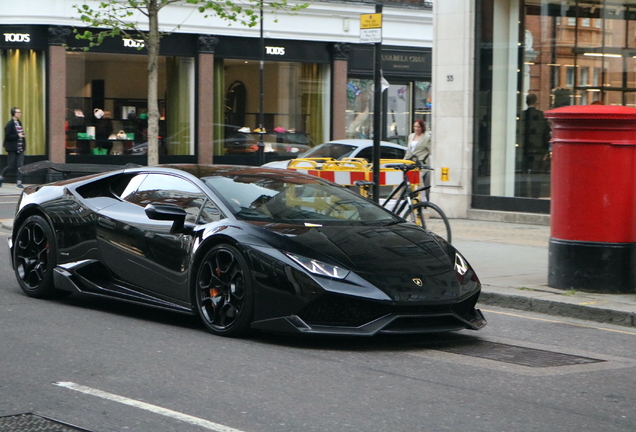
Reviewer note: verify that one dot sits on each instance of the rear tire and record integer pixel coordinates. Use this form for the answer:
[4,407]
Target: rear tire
[35,257]
[431,217]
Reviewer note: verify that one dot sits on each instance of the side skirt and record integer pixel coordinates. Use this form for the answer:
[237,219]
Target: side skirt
[65,280]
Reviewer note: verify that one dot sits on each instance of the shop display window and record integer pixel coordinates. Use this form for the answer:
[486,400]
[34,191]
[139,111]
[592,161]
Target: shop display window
[533,56]
[360,108]
[296,106]
[403,104]
[107,109]
[22,76]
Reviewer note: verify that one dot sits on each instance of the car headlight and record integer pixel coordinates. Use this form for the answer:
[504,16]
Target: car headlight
[318,267]
[463,271]
[461,266]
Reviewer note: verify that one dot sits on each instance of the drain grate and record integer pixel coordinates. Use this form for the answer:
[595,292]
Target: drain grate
[522,356]
[34,423]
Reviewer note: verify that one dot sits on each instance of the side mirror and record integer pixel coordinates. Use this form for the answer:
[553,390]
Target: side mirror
[169,212]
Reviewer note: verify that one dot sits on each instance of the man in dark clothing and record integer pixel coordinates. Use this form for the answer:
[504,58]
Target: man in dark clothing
[15,145]
[535,143]
[536,131]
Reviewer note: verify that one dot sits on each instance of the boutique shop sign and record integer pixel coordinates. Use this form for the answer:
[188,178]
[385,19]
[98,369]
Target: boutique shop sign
[134,43]
[406,61]
[271,50]
[23,37]
[400,62]
[17,37]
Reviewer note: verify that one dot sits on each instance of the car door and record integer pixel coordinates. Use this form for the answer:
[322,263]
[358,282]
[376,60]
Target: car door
[142,251]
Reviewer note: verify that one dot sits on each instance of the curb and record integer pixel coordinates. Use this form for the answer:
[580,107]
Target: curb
[567,309]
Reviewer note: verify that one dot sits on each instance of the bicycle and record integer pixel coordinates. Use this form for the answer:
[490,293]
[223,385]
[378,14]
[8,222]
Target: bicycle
[408,205]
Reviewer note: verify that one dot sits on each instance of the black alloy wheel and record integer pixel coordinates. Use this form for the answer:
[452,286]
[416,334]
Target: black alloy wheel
[224,291]
[35,257]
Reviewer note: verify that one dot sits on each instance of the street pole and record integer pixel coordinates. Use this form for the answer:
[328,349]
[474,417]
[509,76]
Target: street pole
[261,115]
[377,114]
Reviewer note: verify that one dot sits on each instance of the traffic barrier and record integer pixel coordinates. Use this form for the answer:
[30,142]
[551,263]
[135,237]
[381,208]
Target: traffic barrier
[349,170]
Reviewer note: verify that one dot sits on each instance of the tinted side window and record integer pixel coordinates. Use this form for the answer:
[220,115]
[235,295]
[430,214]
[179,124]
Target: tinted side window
[130,187]
[391,153]
[210,213]
[167,189]
[366,153]
[385,153]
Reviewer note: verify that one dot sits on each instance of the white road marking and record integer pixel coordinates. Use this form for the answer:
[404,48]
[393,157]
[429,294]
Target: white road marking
[148,407]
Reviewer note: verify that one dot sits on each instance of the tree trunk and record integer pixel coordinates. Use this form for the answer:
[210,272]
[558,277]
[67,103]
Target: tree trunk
[153,78]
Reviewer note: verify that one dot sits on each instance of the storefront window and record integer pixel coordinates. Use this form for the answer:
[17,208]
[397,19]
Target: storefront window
[179,117]
[295,104]
[23,85]
[404,104]
[398,113]
[536,55]
[107,104]
[360,108]
[423,101]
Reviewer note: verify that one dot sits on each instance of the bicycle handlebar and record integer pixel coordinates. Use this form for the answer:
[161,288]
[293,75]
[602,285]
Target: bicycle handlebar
[408,167]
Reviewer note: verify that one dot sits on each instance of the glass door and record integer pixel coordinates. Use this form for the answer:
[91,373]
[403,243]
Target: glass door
[398,113]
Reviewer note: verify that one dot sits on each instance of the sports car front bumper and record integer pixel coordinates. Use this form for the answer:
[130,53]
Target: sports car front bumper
[341,315]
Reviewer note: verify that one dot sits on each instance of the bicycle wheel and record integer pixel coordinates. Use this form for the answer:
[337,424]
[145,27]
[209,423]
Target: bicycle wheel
[432,218]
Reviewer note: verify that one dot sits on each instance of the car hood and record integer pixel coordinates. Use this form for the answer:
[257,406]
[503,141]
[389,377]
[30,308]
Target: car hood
[395,258]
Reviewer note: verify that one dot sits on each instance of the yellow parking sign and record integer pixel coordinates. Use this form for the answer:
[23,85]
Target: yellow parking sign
[370,21]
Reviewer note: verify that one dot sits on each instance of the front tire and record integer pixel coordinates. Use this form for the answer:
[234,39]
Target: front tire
[224,293]
[35,257]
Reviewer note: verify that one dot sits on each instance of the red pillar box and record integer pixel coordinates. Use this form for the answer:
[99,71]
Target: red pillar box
[593,208]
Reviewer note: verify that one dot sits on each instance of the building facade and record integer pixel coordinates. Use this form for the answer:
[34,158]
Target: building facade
[90,105]
[497,66]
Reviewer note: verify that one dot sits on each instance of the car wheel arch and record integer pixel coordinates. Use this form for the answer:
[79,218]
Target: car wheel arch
[200,253]
[27,212]
[34,256]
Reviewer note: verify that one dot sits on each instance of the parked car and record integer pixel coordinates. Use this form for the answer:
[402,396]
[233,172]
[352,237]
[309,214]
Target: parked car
[346,148]
[244,248]
[284,143]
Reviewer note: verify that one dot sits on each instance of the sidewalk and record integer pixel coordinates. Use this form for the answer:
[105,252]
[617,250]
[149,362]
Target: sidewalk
[511,261]
[10,189]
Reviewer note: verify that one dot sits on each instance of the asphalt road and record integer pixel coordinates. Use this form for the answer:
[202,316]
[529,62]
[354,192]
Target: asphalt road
[107,366]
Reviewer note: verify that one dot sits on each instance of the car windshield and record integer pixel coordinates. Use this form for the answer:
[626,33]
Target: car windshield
[330,150]
[290,199]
